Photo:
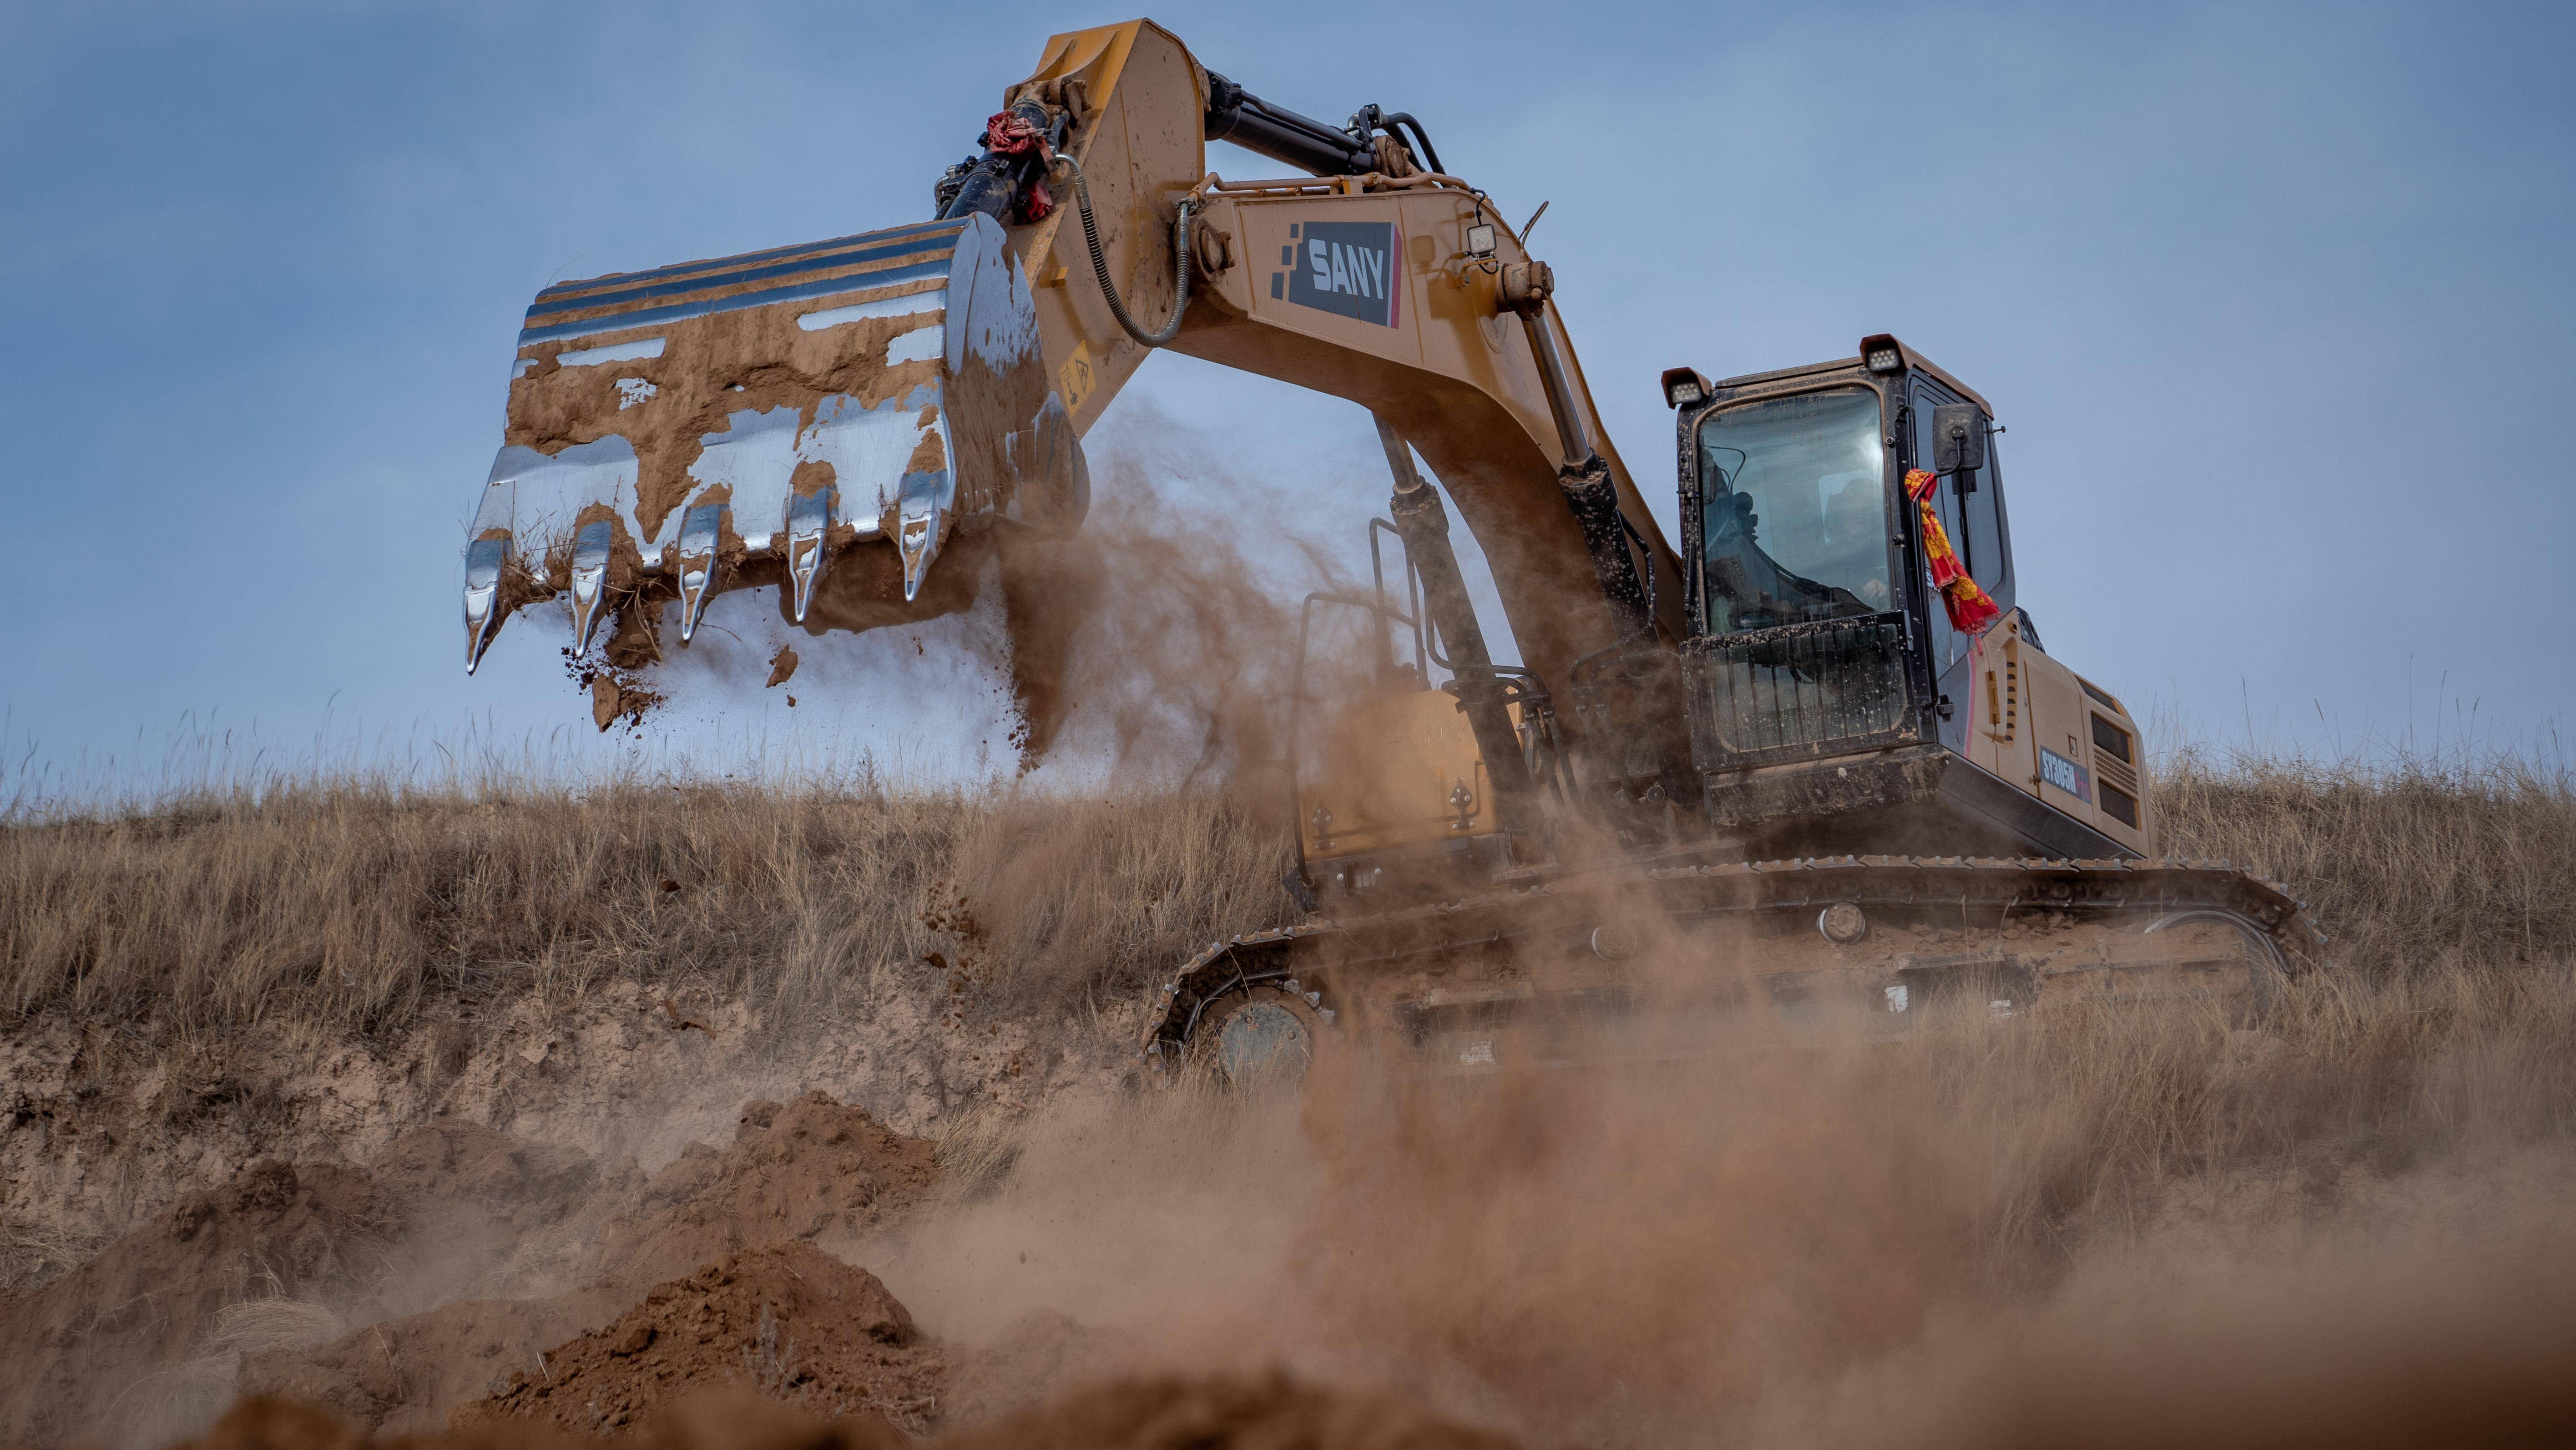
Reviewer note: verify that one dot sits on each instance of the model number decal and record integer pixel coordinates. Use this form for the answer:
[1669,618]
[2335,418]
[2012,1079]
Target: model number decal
[1349,269]
[2065,774]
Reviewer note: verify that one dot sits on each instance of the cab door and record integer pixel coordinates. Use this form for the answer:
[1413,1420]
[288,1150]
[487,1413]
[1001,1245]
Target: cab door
[1997,703]
[1971,508]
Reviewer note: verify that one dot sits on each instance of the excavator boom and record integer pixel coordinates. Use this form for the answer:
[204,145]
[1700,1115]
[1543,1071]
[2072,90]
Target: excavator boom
[830,418]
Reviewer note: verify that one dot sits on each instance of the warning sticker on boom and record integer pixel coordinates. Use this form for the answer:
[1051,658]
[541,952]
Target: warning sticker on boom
[1345,268]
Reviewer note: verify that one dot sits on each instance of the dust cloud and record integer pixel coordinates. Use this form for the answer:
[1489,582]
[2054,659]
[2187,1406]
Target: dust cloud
[1162,638]
[1963,1242]
[1154,647]
[2347,1229]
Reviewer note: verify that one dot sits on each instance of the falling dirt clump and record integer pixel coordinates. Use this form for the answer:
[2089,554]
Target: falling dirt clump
[785,1318]
[782,666]
[616,687]
[812,1168]
[275,1230]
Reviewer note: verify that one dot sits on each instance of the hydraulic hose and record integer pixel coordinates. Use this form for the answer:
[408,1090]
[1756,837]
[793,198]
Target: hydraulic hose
[1100,262]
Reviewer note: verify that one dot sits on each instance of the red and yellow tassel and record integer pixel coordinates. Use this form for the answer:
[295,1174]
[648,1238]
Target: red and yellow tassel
[1970,608]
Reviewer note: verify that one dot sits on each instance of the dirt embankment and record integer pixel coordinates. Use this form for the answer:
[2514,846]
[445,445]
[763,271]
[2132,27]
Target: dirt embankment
[97,1134]
[470,1258]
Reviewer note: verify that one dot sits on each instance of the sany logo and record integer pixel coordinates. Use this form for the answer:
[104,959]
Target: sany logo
[1345,268]
[1360,271]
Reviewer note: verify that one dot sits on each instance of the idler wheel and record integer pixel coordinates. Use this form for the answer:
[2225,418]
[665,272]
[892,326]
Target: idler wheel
[2264,974]
[1842,923]
[1262,1036]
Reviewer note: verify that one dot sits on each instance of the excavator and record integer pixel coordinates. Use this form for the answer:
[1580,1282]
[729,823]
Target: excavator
[1814,756]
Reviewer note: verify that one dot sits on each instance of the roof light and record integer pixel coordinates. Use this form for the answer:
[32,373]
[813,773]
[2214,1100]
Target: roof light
[1882,353]
[1684,387]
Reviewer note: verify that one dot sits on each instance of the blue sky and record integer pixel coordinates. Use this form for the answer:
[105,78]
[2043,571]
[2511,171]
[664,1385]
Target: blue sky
[2272,300]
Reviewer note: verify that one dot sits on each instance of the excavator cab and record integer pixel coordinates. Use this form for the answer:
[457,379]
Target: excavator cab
[1833,693]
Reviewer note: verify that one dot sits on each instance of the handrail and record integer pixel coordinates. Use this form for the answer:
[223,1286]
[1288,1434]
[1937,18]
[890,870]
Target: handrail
[1412,594]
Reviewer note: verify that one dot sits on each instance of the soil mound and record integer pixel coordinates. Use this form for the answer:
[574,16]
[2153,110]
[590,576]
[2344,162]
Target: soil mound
[813,1168]
[785,1319]
[275,1231]
[807,1169]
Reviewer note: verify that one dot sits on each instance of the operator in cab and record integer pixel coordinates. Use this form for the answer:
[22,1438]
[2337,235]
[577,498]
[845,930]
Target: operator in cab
[1795,529]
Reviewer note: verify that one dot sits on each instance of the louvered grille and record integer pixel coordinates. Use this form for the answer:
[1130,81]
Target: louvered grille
[1796,691]
[2113,752]
[2119,805]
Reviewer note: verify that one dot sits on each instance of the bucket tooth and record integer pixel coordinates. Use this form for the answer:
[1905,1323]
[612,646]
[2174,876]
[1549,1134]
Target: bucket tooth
[917,520]
[809,546]
[701,531]
[590,550]
[484,560]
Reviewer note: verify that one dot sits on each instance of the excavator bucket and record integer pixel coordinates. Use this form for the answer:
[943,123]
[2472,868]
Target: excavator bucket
[762,419]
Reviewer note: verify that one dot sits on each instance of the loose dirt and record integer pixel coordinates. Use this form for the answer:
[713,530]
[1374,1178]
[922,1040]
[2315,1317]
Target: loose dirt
[813,1168]
[784,1318]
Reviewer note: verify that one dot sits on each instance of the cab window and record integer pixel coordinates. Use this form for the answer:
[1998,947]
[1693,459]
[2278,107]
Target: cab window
[1794,523]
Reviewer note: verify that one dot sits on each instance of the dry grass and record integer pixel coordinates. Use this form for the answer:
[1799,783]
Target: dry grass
[2104,1126]
[352,908]
[2412,866]
[355,907]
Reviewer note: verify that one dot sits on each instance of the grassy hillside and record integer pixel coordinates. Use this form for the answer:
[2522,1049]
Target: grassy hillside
[349,907]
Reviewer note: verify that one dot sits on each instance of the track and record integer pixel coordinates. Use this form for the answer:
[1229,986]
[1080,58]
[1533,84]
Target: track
[2016,919]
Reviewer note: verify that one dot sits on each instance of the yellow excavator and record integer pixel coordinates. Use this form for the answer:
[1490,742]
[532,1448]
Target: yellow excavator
[1819,742]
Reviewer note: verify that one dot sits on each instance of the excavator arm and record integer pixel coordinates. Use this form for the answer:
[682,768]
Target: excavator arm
[838,419]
